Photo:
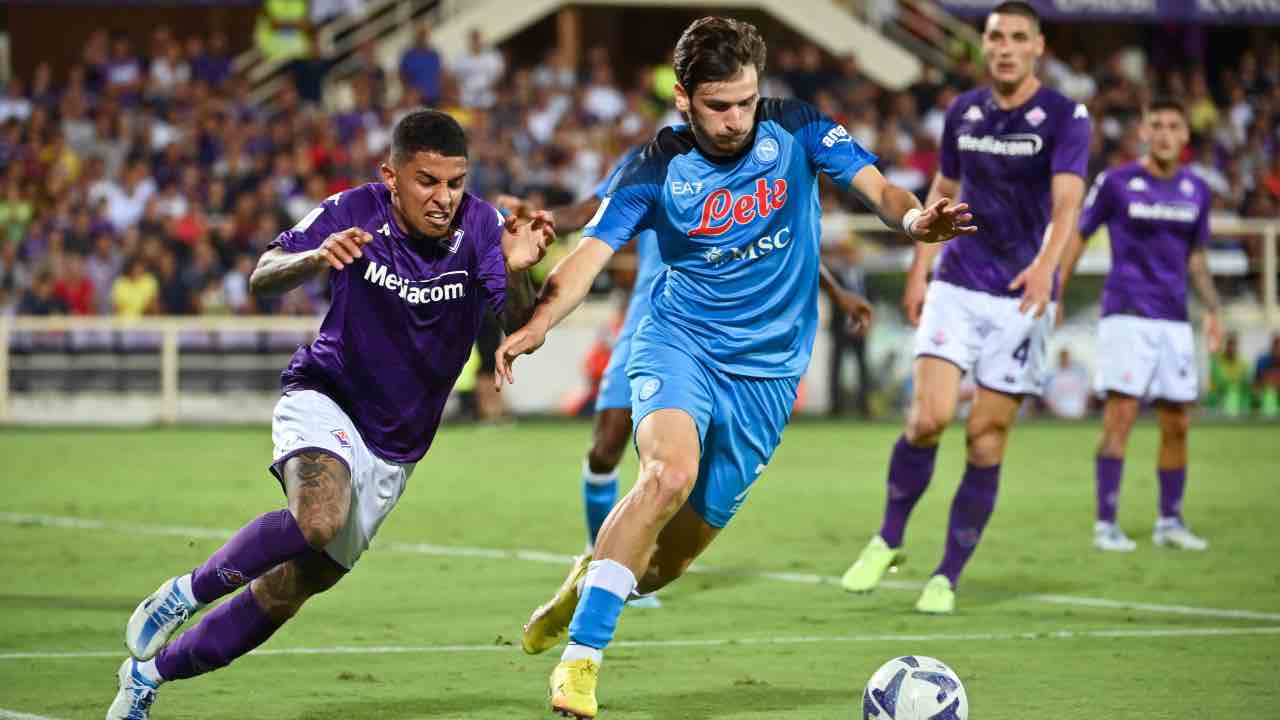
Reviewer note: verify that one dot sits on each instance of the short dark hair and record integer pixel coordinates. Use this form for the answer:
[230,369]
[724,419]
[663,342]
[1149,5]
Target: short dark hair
[1018,7]
[1166,102]
[714,49]
[427,131]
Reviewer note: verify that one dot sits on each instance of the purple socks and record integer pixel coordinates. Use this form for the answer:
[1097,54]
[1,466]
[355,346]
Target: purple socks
[1108,472]
[910,469]
[970,510]
[1172,484]
[230,630]
[271,539]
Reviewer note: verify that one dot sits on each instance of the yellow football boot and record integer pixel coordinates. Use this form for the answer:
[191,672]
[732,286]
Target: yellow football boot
[573,689]
[549,623]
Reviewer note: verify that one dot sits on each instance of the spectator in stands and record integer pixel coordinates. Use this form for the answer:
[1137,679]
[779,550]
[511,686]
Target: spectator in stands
[169,72]
[16,212]
[478,71]
[283,32]
[1201,110]
[14,277]
[39,299]
[845,263]
[102,267]
[135,293]
[1067,392]
[15,104]
[124,72]
[174,295]
[420,67]
[73,287]
[1229,379]
[126,202]
[213,66]
[1266,379]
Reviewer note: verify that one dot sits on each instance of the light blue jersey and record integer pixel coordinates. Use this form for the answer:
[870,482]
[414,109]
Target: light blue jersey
[740,236]
[615,389]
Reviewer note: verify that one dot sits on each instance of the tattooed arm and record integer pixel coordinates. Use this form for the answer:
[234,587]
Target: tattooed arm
[279,271]
[1202,281]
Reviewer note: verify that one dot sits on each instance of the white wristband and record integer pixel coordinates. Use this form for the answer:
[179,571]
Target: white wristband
[910,218]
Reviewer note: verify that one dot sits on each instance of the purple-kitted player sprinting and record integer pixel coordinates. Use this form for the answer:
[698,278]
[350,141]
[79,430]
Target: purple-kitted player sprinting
[1157,213]
[1016,152]
[413,262]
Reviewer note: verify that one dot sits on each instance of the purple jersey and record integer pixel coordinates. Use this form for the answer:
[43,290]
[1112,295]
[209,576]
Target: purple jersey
[403,318]
[1005,161]
[1154,224]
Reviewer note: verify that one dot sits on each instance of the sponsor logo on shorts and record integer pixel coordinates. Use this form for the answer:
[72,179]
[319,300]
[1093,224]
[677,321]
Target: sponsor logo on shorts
[343,439]
[939,337]
[649,388]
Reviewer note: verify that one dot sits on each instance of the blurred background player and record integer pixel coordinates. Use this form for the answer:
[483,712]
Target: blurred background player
[715,367]
[414,262]
[1157,216]
[1016,152]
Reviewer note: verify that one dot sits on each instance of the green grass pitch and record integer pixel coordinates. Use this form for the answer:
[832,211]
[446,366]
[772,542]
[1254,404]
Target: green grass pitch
[430,630]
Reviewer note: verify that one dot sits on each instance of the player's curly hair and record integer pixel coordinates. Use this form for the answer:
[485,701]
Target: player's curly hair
[714,49]
[427,131]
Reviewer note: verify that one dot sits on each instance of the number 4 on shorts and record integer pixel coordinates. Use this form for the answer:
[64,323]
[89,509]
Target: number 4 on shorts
[1020,354]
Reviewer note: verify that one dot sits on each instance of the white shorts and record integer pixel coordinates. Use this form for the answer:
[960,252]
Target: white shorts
[308,420]
[1147,359]
[985,334]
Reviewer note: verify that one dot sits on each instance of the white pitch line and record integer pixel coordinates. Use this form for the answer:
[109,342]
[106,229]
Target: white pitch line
[539,556]
[15,715]
[720,642]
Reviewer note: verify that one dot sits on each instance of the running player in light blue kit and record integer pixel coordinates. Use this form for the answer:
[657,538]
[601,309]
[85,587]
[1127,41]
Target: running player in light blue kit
[733,198]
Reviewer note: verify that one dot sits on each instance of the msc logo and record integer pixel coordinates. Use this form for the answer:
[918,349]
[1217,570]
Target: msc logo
[721,210]
[752,250]
[416,292]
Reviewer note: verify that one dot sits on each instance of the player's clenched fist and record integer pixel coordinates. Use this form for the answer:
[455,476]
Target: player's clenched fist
[342,248]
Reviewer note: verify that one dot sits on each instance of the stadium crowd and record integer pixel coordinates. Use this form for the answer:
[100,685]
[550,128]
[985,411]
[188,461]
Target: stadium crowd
[141,182]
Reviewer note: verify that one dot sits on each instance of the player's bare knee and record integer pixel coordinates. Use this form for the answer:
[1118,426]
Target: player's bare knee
[669,484]
[319,489]
[986,442]
[925,424]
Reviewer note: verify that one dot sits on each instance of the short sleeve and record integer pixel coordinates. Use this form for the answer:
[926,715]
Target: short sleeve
[628,203]
[492,271]
[949,153]
[1200,239]
[827,143]
[325,219]
[1071,144]
[1097,206]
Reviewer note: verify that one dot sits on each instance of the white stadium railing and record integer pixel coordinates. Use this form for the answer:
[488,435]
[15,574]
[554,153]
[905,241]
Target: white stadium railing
[157,344]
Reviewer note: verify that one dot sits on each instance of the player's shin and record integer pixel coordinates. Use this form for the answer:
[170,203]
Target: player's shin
[224,634]
[970,510]
[269,540]
[605,589]
[1173,483]
[910,470]
[599,492]
[1107,475]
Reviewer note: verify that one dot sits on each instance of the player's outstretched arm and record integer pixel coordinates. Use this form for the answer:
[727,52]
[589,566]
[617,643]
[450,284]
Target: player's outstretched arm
[1036,280]
[564,289]
[898,208]
[279,271]
[524,244]
[1202,281]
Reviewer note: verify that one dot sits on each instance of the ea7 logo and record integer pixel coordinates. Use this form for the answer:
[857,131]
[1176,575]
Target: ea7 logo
[835,135]
[680,187]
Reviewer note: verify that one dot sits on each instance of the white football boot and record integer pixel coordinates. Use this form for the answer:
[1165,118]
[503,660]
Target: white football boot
[1108,536]
[1171,532]
[158,617]
[136,693]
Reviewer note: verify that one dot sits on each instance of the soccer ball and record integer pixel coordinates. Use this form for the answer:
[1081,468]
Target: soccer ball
[914,687]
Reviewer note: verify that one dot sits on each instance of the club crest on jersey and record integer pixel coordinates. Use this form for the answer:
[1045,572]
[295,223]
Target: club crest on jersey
[1036,115]
[456,242]
[1137,185]
[766,151]
[722,210]
[1187,188]
[649,388]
